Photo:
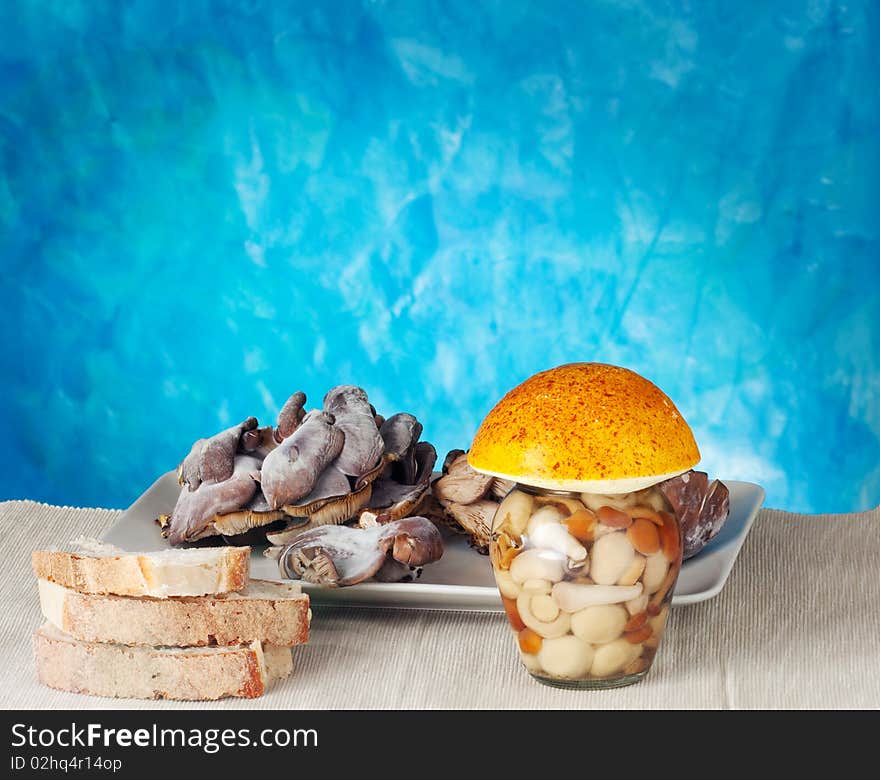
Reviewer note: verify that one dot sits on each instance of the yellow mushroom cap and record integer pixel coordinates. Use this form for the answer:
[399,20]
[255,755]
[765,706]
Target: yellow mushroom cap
[587,428]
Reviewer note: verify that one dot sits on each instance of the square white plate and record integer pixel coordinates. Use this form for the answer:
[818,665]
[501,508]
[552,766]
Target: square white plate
[462,579]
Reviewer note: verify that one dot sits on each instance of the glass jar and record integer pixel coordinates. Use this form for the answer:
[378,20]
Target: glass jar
[586,581]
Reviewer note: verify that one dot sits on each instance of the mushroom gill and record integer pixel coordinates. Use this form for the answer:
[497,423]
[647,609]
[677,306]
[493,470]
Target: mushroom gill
[461,484]
[466,500]
[337,556]
[331,511]
[392,500]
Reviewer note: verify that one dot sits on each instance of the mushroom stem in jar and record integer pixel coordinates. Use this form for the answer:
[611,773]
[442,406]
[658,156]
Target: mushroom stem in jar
[573,596]
[548,629]
[553,536]
[655,571]
[566,505]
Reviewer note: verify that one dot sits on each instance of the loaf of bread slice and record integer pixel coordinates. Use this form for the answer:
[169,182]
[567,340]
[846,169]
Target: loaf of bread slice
[273,612]
[119,671]
[106,569]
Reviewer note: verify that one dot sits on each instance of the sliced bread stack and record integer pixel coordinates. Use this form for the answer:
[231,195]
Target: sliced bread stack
[176,624]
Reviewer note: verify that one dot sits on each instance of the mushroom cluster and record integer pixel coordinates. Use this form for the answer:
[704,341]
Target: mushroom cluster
[465,501]
[326,466]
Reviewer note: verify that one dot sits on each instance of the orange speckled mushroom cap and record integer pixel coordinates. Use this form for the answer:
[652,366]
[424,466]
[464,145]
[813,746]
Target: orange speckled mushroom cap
[586,428]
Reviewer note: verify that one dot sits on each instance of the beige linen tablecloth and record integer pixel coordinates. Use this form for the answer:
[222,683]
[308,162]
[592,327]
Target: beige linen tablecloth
[796,626]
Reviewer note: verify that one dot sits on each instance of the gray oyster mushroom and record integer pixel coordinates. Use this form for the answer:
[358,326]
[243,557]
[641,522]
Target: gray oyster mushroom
[291,416]
[258,442]
[392,500]
[337,556]
[193,514]
[290,470]
[379,495]
[354,416]
[211,459]
[400,432]
[347,399]
[331,483]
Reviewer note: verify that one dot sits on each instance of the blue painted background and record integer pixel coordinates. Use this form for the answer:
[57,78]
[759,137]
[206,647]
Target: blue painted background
[205,208]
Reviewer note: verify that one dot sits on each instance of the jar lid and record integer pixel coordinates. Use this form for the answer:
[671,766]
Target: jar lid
[585,428]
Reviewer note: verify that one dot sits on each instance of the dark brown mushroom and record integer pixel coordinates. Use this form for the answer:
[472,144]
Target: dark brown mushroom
[700,506]
[336,556]
[377,418]
[451,457]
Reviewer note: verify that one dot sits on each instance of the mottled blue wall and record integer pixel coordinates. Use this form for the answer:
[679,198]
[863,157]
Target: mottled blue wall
[205,208]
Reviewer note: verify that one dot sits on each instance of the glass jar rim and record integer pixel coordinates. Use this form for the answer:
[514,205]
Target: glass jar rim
[540,491]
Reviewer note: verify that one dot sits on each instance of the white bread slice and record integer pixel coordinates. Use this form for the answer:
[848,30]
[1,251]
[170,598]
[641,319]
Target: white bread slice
[105,569]
[273,612]
[191,674]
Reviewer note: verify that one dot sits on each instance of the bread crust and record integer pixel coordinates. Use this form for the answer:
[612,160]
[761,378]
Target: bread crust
[272,612]
[144,574]
[118,671]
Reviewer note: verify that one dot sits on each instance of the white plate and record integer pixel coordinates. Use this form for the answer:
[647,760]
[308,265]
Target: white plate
[462,578]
